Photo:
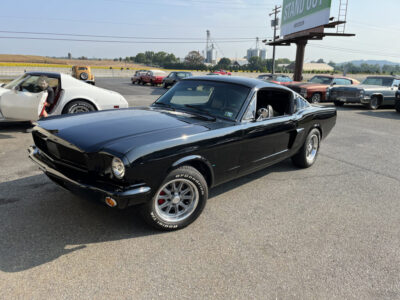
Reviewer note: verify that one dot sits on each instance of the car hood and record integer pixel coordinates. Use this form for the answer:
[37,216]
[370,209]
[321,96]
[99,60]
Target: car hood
[364,87]
[309,85]
[122,130]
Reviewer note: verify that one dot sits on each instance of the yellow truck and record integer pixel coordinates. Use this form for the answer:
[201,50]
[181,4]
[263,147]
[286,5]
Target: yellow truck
[83,73]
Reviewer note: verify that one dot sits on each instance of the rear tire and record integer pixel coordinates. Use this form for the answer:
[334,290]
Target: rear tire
[78,106]
[338,103]
[179,200]
[308,153]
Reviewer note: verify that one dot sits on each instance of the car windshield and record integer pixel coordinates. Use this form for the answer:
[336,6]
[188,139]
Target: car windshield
[382,81]
[15,82]
[219,99]
[82,68]
[264,77]
[321,79]
[183,74]
[283,79]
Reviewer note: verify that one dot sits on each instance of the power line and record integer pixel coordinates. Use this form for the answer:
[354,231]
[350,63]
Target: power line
[113,41]
[86,21]
[356,51]
[119,37]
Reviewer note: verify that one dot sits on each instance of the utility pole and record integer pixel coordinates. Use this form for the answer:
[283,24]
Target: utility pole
[274,24]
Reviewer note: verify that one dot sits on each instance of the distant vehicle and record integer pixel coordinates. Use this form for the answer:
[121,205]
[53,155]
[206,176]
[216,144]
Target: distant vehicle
[154,77]
[203,132]
[315,89]
[23,100]
[136,77]
[175,77]
[83,73]
[222,72]
[276,78]
[397,102]
[373,92]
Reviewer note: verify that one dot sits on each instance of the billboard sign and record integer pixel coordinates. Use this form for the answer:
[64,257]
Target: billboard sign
[299,15]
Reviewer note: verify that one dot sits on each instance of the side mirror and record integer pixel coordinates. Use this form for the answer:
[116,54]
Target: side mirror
[334,83]
[2,84]
[16,88]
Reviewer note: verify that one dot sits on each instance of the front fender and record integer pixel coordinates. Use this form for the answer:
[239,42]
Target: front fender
[197,162]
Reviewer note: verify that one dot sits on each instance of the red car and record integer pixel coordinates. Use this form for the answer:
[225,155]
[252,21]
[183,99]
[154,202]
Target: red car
[222,72]
[154,77]
[315,89]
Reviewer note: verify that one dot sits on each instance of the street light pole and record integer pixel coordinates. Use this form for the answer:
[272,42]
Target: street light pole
[274,24]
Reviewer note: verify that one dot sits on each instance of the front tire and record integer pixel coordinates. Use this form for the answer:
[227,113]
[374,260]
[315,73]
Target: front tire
[308,153]
[316,98]
[78,106]
[397,106]
[178,202]
[373,103]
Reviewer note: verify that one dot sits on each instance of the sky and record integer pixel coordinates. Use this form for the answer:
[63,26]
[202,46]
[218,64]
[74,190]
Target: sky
[234,25]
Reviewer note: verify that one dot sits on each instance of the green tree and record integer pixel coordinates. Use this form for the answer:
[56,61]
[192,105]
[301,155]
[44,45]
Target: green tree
[194,58]
[224,63]
[140,58]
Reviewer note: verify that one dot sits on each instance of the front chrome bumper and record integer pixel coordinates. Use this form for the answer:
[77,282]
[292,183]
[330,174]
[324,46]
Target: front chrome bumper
[124,197]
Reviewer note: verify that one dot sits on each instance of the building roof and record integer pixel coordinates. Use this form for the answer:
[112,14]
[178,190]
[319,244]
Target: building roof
[314,67]
[240,62]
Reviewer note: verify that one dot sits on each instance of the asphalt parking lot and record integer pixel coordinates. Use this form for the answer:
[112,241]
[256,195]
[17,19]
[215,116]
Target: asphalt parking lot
[331,231]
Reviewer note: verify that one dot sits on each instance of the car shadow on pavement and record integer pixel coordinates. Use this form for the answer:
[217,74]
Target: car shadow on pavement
[41,222]
[284,166]
[382,113]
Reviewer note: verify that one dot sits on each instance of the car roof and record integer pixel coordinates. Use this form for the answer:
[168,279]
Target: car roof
[385,76]
[47,74]
[249,82]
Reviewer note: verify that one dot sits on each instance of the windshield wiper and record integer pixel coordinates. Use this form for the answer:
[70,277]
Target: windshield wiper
[211,116]
[164,104]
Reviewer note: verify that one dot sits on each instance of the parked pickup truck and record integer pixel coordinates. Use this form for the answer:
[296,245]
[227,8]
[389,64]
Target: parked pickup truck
[315,89]
[373,92]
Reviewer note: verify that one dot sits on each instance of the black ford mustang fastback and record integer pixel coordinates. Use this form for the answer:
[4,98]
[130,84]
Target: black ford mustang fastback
[201,133]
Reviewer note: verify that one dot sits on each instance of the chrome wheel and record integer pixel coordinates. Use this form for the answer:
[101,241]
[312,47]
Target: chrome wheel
[374,103]
[312,148]
[176,200]
[316,98]
[78,109]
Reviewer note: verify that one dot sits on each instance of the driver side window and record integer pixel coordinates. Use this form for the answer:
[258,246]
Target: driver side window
[30,85]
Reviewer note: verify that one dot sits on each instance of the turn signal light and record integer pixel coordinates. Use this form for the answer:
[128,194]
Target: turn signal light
[116,106]
[111,202]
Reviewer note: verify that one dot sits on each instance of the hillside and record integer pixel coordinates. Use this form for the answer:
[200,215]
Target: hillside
[371,62]
[12,58]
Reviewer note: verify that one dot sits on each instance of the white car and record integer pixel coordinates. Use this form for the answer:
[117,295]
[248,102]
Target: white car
[23,100]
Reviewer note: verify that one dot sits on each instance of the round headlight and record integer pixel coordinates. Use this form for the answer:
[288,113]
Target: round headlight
[118,168]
